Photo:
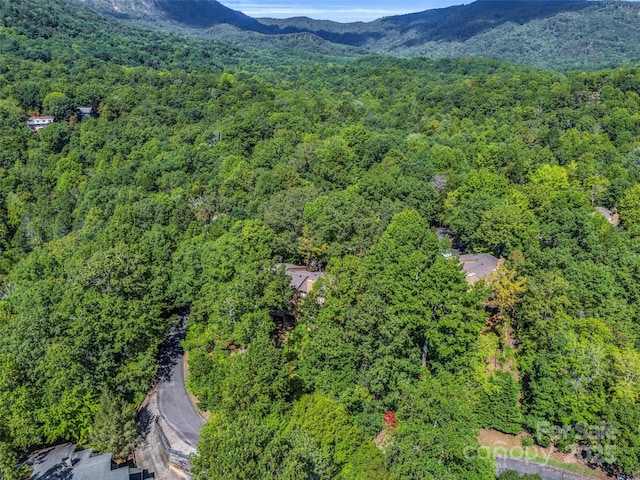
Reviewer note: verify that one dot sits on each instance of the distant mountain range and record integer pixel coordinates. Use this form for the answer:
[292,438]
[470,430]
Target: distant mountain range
[191,14]
[452,24]
[559,34]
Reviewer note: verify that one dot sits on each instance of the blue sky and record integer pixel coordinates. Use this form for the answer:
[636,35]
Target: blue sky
[351,11]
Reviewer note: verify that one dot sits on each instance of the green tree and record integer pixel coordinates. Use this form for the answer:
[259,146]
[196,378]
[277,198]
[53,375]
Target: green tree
[58,105]
[308,249]
[366,463]
[436,431]
[327,424]
[507,227]
[622,415]
[55,137]
[480,192]
[499,406]
[565,381]
[629,207]
[507,290]
[345,221]
[9,469]
[114,427]
[236,447]
[426,291]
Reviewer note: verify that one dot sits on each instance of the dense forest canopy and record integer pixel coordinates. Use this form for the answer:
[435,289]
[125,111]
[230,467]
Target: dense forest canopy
[204,166]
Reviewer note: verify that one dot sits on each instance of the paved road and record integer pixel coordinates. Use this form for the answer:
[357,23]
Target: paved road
[174,403]
[169,422]
[545,471]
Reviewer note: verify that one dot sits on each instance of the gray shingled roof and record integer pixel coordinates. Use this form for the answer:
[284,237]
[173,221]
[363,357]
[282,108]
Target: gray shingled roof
[301,278]
[608,214]
[478,265]
[611,216]
[64,463]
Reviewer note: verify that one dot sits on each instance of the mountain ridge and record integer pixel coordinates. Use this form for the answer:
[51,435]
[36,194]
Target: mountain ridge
[572,33]
[454,23]
[196,14]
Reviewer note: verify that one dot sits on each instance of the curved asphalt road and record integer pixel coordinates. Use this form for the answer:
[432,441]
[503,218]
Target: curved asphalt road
[547,472]
[174,403]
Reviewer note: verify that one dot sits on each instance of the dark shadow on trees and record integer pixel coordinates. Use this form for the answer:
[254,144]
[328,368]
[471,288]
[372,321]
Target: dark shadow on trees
[171,350]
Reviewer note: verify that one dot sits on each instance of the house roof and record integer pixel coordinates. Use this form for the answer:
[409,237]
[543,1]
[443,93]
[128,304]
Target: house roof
[62,462]
[301,279]
[478,265]
[611,217]
[608,214]
[41,117]
[474,265]
[99,468]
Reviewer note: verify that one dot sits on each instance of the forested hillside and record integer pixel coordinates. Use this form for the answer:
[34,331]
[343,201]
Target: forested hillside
[204,166]
[555,34]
